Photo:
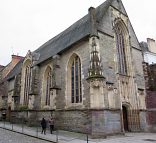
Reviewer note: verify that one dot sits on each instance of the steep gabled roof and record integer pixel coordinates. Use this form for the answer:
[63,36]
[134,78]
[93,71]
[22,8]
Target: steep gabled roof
[1,67]
[65,39]
[71,35]
[101,9]
[16,70]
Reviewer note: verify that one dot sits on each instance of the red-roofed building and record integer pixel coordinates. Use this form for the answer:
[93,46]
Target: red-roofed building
[4,71]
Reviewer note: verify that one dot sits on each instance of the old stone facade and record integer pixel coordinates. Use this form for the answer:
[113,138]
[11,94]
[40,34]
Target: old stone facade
[150,78]
[149,52]
[89,77]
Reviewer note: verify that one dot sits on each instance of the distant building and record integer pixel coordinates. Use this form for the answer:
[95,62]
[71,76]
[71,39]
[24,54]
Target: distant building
[4,71]
[149,52]
[89,77]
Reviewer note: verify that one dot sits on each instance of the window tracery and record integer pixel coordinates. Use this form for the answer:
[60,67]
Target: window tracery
[76,91]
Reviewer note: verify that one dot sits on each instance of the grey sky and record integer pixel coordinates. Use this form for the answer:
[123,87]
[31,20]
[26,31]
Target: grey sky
[27,24]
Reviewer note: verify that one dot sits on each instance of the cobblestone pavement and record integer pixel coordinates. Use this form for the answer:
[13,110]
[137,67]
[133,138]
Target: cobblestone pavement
[12,137]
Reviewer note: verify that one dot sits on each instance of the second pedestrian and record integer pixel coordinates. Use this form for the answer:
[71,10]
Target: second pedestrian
[51,124]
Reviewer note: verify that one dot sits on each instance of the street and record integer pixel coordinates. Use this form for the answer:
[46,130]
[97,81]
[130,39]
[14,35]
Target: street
[7,136]
[12,137]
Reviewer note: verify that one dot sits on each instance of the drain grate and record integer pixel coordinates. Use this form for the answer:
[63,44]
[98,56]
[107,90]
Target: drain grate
[150,140]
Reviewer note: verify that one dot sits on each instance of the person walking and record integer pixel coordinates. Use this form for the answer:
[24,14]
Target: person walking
[51,124]
[44,126]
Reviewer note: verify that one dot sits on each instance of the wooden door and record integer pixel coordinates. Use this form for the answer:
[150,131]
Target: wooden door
[125,118]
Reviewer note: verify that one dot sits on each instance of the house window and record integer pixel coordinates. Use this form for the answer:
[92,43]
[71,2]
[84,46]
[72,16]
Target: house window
[27,84]
[76,94]
[121,55]
[48,86]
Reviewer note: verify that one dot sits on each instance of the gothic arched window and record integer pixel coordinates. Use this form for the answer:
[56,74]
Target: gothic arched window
[76,91]
[27,83]
[121,54]
[48,85]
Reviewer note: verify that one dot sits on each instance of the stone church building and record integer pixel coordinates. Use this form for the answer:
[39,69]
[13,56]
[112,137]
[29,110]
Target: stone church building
[90,76]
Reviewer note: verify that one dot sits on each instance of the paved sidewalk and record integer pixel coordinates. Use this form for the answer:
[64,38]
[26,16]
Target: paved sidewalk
[72,137]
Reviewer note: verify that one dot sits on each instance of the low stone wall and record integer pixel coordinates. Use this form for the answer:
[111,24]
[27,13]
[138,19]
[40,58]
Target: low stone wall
[105,123]
[151,110]
[71,120]
[98,123]
[29,117]
[151,118]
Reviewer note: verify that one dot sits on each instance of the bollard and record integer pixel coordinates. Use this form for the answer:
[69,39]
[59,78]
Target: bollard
[57,136]
[87,138]
[12,126]
[37,124]
[4,123]
[37,131]
[22,125]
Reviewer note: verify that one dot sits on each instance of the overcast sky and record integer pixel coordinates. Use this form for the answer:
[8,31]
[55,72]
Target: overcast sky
[27,24]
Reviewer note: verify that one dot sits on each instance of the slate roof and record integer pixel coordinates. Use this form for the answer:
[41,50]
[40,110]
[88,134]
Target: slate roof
[74,33]
[144,46]
[65,39]
[101,10]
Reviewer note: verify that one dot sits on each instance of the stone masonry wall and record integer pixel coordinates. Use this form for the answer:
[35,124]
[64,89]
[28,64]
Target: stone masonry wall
[63,100]
[72,120]
[150,78]
[106,122]
[151,110]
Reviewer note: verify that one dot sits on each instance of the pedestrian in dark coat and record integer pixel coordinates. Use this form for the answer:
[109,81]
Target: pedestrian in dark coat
[44,126]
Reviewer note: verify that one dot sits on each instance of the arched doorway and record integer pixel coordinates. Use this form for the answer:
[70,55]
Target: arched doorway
[125,117]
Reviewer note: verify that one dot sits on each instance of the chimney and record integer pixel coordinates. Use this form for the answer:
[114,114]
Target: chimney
[151,45]
[93,26]
[16,59]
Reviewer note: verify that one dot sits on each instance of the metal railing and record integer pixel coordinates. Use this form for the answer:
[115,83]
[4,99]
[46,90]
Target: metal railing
[22,126]
[35,131]
[22,122]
